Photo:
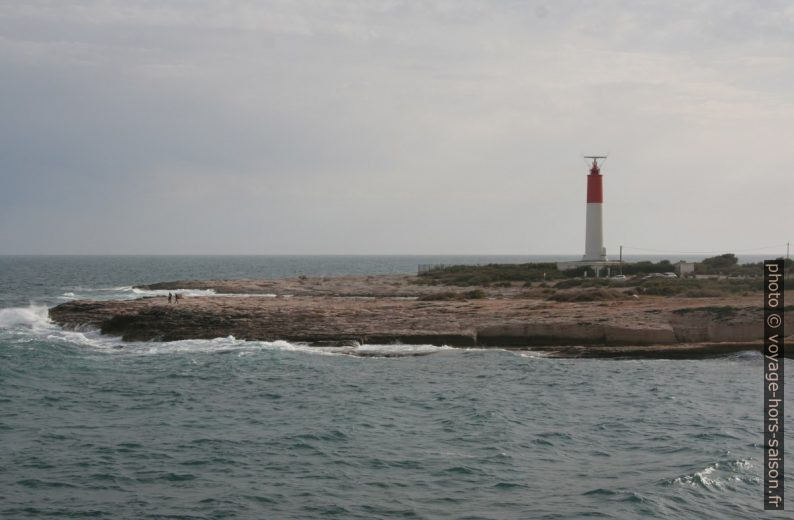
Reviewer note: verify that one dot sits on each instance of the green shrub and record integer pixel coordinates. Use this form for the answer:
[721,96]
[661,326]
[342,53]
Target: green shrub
[476,294]
[485,275]
[702,293]
[721,312]
[699,288]
[589,295]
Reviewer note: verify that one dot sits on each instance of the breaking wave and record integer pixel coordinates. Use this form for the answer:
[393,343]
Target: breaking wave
[34,323]
[129,292]
[718,475]
[231,344]
[33,317]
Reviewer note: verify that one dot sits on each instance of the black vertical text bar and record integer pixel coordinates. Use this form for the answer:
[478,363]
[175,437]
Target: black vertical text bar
[773,384]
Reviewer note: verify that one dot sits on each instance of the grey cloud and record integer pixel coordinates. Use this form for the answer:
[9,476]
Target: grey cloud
[387,127]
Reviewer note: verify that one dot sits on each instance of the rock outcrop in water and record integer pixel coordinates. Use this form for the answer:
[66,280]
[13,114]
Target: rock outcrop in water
[391,309]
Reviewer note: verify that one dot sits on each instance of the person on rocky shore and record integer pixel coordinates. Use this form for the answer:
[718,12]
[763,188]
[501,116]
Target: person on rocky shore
[169,297]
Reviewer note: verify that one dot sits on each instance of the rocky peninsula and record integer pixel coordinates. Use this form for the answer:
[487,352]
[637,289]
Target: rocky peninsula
[570,322]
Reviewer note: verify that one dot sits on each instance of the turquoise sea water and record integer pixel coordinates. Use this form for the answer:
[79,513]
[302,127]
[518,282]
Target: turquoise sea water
[91,427]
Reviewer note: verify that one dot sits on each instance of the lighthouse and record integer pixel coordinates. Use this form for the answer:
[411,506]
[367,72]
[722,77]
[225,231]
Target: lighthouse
[594,249]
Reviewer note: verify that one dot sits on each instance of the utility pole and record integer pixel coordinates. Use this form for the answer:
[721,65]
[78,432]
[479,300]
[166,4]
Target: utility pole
[621,259]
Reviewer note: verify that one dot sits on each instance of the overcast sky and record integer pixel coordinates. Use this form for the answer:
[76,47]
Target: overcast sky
[393,127]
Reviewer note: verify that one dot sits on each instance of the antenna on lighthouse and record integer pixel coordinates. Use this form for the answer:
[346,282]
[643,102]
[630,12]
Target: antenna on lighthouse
[595,159]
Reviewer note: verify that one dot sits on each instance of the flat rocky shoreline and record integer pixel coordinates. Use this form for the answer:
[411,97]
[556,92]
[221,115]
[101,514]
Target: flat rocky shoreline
[344,311]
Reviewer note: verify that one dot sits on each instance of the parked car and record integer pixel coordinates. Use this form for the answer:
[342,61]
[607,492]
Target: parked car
[619,278]
[670,275]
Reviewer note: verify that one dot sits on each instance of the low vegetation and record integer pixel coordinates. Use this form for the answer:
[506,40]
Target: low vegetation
[728,265]
[589,295]
[570,283]
[476,294]
[699,288]
[491,274]
[723,312]
[728,278]
[630,269]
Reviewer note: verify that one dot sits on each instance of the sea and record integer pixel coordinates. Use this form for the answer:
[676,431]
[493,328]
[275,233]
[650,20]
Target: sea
[92,427]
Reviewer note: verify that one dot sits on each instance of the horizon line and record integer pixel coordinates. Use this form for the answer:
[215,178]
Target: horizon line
[367,254]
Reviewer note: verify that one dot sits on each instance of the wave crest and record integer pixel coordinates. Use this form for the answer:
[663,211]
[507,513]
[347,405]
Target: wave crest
[719,475]
[34,322]
[35,317]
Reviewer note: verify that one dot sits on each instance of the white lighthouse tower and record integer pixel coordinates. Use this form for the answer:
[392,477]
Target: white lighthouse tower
[594,250]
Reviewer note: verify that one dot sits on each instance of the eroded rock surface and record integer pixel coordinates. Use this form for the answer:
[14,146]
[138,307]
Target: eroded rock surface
[385,309]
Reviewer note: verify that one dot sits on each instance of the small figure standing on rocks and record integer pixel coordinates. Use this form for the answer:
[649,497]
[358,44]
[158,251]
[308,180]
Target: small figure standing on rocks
[177,297]
[169,297]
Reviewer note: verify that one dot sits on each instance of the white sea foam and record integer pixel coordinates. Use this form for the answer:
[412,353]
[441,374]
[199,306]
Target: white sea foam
[532,354]
[129,292]
[33,322]
[33,317]
[719,474]
[166,292]
[136,292]
[232,344]
[388,350]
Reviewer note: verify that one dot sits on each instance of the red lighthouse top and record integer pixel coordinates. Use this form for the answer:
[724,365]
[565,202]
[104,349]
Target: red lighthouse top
[595,192]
